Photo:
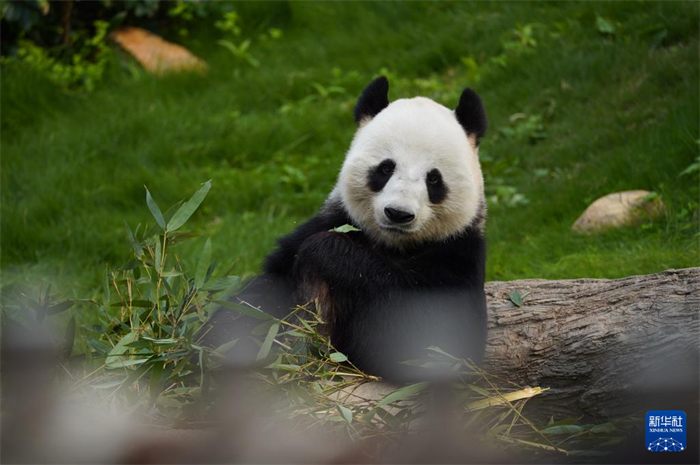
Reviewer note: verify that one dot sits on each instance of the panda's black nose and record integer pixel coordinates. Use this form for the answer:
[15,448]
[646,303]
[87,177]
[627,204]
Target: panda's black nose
[398,216]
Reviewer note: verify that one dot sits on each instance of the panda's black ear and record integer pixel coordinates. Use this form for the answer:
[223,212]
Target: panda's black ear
[471,114]
[374,99]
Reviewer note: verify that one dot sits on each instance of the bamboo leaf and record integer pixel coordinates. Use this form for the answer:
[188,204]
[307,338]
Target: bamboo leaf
[158,256]
[59,307]
[267,343]
[108,384]
[119,349]
[154,381]
[47,295]
[132,240]
[244,309]
[346,228]
[505,398]
[171,274]
[223,348]
[100,347]
[155,210]
[203,265]
[605,26]
[168,341]
[345,412]
[188,208]
[402,393]
[338,357]
[69,338]
[517,297]
[568,421]
[126,363]
[608,427]
[284,367]
[442,352]
[614,441]
[562,429]
[479,390]
[262,328]
[388,418]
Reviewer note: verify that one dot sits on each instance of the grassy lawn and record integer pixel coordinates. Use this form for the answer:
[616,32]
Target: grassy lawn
[583,100]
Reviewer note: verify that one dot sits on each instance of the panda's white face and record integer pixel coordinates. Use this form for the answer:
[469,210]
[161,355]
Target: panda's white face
[412,174]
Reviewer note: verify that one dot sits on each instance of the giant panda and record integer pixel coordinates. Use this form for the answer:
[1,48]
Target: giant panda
[413,275]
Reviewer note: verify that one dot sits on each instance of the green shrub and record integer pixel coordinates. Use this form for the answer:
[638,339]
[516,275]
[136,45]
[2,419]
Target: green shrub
[67,41]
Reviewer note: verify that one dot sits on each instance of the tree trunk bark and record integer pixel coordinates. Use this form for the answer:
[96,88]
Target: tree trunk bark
[66,16]
[603,347]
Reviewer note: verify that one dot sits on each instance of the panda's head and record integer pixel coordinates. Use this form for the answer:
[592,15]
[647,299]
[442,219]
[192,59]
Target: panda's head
[412,173]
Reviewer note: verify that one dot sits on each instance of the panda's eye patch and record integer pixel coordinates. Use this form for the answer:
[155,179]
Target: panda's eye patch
[379,175]
[437,190]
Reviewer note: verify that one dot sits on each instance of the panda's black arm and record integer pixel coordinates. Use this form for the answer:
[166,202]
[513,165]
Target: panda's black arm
[273,291]
[347,264]
[281,261]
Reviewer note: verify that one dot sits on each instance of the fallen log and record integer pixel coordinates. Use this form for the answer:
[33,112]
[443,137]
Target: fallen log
[603,347]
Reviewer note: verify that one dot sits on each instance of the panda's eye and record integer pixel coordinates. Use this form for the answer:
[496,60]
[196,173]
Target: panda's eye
[386,167]
[433,178]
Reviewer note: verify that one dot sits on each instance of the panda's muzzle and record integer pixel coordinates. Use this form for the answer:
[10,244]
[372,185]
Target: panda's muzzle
[397,216]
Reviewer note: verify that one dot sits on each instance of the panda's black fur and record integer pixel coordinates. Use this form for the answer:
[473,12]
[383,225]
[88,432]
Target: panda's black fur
[382,304]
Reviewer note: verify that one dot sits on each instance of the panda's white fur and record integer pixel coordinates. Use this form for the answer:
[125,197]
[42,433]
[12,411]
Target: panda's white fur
[419,135]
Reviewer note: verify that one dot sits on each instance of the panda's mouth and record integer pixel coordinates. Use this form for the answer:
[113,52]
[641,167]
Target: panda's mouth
[396,229]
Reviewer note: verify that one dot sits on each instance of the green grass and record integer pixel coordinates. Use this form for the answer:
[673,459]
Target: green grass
[618,112]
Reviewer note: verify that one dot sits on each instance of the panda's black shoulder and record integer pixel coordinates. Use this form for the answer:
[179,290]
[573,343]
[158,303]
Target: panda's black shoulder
[281,261]
[470,249]
[458,260]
